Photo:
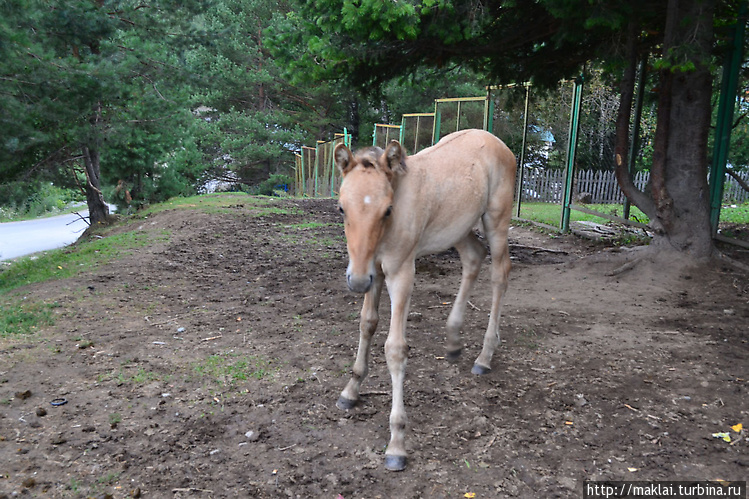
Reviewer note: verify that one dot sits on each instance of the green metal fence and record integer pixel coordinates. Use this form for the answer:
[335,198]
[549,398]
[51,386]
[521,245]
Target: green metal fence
[417,131]
[383,134]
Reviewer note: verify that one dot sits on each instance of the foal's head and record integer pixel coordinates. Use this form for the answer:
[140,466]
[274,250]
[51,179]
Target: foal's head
[366,203]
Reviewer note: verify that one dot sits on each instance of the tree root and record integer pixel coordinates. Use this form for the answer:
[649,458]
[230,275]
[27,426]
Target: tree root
[734,263]
[625,268]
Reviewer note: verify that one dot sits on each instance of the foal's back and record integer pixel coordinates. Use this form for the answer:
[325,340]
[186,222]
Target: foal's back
[449,186]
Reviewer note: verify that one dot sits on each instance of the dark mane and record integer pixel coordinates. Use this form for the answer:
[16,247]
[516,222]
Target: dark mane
[368,156]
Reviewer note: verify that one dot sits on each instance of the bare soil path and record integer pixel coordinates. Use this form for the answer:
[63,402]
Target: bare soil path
[209,363]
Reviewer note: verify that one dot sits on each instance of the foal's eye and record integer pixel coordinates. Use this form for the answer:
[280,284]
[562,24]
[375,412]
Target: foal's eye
[389,211]
[340,210]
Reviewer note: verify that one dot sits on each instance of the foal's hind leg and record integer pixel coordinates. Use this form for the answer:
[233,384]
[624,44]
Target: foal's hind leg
[497,225]
[472,254]
[367,326]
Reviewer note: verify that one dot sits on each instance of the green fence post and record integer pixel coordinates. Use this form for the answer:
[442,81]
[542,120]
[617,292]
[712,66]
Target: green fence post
[436,128]
[304,174]
[317,170]
[521,164]
[577,92]
[729,85]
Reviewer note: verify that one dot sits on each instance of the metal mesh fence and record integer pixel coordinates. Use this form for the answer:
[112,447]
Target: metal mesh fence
[417,131]
[383,134]
[458,114]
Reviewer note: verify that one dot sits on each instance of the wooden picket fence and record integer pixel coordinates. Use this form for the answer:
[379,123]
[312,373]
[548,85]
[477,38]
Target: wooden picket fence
[601,187]
[732,190]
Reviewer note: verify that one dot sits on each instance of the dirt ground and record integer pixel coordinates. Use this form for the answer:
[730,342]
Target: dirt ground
[208,365]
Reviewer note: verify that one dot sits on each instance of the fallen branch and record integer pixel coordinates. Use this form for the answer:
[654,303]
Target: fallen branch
[624,268]
[537,249]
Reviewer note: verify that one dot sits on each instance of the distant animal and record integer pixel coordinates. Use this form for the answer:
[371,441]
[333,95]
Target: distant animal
[396,208]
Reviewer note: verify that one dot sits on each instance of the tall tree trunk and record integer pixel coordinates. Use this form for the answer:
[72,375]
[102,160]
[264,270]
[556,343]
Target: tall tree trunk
[97,208]
[621,145]
[679,174]
[678,201]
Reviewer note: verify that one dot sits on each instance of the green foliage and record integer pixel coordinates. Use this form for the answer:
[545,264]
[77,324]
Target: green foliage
[19,200]
[170,98]
[82,76]
[274,184]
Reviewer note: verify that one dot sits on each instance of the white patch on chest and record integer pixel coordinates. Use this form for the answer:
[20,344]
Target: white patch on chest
[367,200]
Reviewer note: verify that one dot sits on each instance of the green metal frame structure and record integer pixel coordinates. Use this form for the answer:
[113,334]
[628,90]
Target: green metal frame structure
[418,118]
[487,120]
[388,129]
[726,105]
[577,99]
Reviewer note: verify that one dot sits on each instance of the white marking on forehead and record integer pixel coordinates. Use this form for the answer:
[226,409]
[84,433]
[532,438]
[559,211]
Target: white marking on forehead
[367,200]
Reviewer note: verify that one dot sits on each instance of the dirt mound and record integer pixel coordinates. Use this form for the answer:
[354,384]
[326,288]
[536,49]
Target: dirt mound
[208,365]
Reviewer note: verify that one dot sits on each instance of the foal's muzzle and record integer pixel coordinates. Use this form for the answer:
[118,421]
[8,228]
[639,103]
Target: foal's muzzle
[359,284]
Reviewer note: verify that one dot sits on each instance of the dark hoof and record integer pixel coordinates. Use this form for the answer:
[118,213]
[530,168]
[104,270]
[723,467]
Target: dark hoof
[454,355]
[477,369]
[395,463]
[345,404]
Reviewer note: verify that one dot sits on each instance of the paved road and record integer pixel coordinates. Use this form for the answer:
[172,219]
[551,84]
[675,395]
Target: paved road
[23,238]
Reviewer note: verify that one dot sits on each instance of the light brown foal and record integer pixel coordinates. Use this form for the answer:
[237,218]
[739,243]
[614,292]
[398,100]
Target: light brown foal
[397,208]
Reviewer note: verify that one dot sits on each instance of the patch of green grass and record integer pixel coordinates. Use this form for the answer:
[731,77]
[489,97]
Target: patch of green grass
[224,202]
[305,235]
[735,213]
[67,262]
[140,377]
[231,368]
[74,484]
[22,317]
[527,338]
[551,214]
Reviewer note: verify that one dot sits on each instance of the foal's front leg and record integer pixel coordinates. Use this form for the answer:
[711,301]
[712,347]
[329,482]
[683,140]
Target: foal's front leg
[367,326]
[396,353]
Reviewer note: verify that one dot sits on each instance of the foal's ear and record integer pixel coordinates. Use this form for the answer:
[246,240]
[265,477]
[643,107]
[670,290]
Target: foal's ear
[344,160]
[394,159]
